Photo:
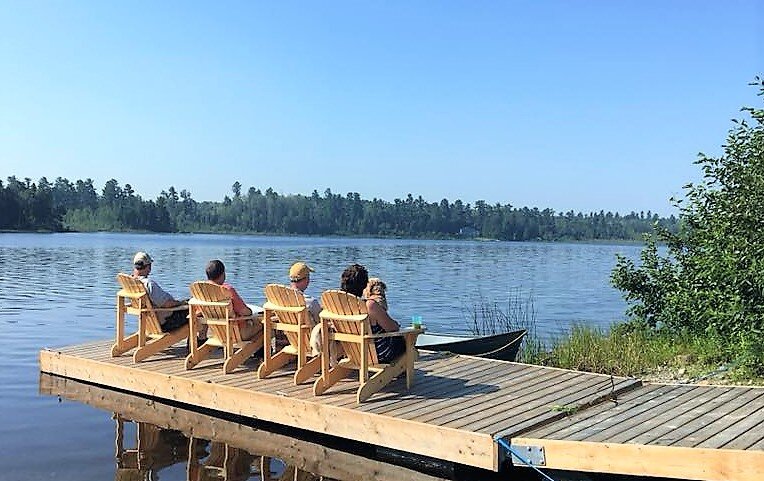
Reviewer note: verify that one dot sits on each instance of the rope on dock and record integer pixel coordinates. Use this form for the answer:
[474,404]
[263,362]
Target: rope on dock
[506,446]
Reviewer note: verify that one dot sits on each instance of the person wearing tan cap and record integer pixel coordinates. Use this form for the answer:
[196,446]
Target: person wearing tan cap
[299,279]
[159,297]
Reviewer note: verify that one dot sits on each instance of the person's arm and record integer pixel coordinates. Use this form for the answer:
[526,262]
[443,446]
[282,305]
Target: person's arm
[240,308]
[381,316]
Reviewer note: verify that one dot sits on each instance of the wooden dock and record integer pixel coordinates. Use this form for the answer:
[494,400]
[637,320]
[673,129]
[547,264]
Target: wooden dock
[459,406]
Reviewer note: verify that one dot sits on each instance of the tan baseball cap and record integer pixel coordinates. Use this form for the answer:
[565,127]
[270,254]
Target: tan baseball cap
[299,271]
[141,259]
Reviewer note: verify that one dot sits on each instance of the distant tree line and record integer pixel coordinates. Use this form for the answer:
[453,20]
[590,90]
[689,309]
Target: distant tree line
[78,206]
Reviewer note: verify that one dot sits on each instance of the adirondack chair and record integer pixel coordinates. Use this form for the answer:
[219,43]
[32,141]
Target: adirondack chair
[346,319]
[149,339]
[287,306]
[225,462]
[211,303]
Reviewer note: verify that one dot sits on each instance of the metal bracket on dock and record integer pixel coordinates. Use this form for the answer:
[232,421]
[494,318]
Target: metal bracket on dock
[528,455]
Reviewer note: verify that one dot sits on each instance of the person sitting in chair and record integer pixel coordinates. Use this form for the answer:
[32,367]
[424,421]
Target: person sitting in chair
[299,279]
[354,280]
[247,327]
[168,320]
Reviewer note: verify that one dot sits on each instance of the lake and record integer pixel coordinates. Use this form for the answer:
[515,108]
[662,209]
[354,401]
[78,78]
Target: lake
[58,289]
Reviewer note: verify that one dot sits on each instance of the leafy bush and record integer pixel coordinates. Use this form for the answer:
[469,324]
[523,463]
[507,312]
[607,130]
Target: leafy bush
[711,282]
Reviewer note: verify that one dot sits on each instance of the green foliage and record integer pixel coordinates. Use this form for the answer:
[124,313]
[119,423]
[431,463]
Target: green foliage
[711,282]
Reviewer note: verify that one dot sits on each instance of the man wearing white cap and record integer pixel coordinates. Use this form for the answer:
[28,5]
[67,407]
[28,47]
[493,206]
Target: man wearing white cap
[169,320]
[299,278]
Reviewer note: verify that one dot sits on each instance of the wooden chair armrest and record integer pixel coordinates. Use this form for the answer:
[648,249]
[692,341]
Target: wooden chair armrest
[196,302]
[343,317]
[130,295]
[273,307]
[403,332]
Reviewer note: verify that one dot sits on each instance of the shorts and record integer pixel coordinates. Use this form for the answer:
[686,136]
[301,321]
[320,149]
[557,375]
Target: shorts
[397,347]
[175,320]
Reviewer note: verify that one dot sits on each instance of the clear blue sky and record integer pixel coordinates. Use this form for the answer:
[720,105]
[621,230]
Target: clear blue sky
[579,105]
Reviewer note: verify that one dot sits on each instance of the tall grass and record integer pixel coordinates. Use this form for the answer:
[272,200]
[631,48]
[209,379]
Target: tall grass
[519,312]
[631,350]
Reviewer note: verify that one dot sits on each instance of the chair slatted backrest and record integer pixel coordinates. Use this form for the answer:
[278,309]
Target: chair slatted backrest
[213,302]
[289,306]
[140,306]
[349,315]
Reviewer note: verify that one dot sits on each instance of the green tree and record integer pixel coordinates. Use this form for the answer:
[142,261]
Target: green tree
[711,281]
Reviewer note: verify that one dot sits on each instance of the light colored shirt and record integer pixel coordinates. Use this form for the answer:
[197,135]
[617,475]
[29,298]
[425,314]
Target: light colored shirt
[314,309]
[158,296]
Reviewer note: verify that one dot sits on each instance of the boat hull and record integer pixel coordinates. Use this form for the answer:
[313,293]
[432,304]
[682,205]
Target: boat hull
[502,346]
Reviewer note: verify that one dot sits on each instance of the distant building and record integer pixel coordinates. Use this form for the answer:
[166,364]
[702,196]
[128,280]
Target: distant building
[468,232]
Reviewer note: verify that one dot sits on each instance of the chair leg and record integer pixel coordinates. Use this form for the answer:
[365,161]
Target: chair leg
[201,353]
[123,345]
[411,355]
[277,361]
[329,378]
[381,379]
[308,370]
[242,354]
[163,342]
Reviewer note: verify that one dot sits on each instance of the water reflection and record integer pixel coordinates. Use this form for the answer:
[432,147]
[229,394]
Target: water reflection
[152,449]
[149,450]
[155,441]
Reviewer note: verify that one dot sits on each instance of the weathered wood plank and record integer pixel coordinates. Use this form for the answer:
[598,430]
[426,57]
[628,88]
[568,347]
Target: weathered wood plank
[742,428]
[639,415]
[428,399]
[713,422]
[437,378]
[688,422]
[528,388]
[664,422]
[543,414]
[544,394]
[582,419]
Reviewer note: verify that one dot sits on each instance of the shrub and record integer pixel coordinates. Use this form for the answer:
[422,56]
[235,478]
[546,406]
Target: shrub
[711,281]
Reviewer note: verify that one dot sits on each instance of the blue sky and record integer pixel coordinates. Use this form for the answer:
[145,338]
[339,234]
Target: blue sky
[579,105]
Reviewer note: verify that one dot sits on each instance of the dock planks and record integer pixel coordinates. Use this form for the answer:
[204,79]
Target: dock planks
[675,431]
[618,425]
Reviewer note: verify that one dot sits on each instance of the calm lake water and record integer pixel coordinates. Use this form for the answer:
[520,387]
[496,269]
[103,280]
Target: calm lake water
[58,289]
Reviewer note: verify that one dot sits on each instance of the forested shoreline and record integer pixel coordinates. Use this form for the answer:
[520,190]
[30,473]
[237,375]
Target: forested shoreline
[64,205]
